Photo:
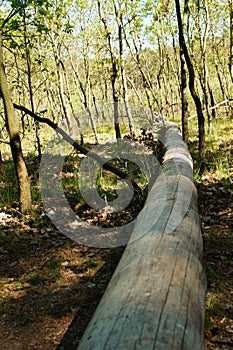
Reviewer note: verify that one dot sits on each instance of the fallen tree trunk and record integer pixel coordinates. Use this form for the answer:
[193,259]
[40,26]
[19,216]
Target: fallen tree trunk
[156,297]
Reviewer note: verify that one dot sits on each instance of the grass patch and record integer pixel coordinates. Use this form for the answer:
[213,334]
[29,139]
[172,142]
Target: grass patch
[219,144]
[215,206]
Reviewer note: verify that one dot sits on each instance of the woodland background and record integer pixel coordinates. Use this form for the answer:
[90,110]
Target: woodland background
[105,69]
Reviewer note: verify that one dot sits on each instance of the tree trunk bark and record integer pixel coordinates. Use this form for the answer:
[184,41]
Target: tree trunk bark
[146,83]
[212,100]
[156,297]
[196,99]
[121,36]
[60,69]
[30,87]
[15,142]
[84,100]
[126,99]
[184,102]
[231,39]
[114,72]
[2,168]
[220,80]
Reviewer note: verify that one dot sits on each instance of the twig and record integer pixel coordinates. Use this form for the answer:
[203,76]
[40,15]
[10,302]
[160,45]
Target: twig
[206,110]
[5,142]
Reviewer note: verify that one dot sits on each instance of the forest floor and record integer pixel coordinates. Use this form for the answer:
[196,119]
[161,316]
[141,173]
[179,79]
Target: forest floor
[50,285]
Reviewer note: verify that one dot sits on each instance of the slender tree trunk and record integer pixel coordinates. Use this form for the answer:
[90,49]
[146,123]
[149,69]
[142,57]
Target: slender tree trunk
[136,91]
[2,169]
[60,72]
[114,71]
[220,79]
[126,102]
[231,39]
[29,77]
[203,29]
[73,111]
[95,105]
[184,102]
[146,83]
[61,88]
[212,99]
[84,100]
[203,83]
[15,142]
[126,98]
[197,101]
[159,79]
[121,35]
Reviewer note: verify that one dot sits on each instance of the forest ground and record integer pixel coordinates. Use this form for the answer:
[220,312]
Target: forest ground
[50,285]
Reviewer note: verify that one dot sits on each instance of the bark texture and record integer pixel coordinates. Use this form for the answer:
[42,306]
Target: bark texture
[156,297]
[192,88]
[15,142]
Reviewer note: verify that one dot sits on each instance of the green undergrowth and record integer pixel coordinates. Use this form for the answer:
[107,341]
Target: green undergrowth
[214,181]
[219,143]
[106,183]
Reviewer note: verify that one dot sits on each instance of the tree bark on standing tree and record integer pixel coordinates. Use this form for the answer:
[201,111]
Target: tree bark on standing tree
[29,79]
[15,142]
[114,74]
[231,39]
[121,34]
[192,88]
[184,101]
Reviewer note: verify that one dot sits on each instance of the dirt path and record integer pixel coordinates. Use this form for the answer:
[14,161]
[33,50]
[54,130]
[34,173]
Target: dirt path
[50,286]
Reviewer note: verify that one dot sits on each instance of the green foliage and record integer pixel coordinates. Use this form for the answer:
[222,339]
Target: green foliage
[218,160]
[49,43]
[8,185]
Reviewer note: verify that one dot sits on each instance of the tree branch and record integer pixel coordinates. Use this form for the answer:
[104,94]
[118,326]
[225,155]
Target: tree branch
[11,15]
[5,142]
[107,165]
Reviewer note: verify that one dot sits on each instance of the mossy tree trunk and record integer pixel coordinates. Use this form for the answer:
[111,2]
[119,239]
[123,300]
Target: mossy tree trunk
[15,142]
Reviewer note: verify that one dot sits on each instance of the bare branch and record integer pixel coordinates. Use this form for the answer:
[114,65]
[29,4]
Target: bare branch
[106,165]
